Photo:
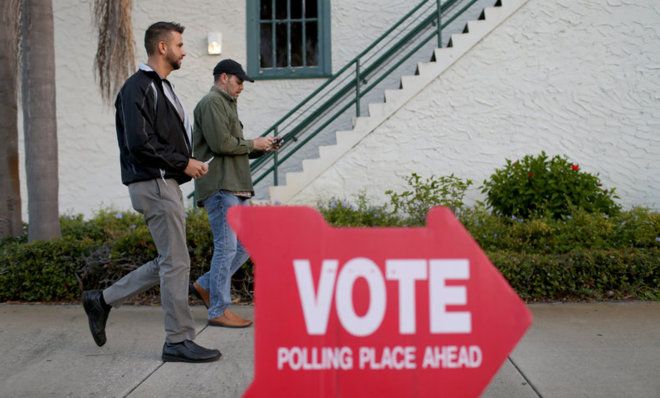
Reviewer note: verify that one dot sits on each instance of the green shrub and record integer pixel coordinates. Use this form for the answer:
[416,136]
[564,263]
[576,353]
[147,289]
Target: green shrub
[638,227]
[42,270]
[537,186]
[424,194]
[635,228]
[582,274]
[9,240]
[489,230]
[106,225]
[341,213]
[111,260]
[134,245]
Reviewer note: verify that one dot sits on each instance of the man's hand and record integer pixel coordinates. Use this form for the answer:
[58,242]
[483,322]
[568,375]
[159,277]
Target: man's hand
[195,168]
[263,143]
[277,143]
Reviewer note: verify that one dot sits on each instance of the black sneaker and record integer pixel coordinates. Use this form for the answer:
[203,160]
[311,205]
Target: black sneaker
[188,351]
[97,314]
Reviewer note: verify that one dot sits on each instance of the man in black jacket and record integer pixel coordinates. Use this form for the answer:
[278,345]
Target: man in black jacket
[153,132]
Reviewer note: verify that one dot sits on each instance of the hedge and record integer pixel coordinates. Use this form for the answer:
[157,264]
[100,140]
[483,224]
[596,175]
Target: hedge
[42,271]
[585,258]
[582,274]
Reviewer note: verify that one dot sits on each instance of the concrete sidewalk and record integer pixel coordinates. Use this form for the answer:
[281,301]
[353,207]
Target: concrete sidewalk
[571,350]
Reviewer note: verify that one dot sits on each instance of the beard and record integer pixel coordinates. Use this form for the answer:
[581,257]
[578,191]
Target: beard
[174,63]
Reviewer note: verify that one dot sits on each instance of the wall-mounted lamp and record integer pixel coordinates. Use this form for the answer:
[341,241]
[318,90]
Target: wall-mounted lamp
[215,43]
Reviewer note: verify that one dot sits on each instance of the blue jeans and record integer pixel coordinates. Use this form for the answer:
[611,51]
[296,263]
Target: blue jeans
[228,252]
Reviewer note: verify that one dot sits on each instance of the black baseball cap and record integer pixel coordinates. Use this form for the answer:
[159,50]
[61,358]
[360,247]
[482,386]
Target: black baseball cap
[231,67]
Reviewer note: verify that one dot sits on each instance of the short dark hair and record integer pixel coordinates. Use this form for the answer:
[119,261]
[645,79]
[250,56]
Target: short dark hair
[158,32]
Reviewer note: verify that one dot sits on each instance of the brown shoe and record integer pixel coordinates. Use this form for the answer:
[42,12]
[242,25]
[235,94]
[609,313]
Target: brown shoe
[198,291]
[232,315]
[229,320]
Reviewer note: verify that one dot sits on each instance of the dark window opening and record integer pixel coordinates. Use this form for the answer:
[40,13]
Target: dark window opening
[288,38]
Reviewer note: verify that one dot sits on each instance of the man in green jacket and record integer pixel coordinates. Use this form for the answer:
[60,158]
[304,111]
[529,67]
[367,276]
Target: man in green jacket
[218,139]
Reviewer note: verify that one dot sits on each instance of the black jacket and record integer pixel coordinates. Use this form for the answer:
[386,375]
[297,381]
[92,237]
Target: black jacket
[152,138]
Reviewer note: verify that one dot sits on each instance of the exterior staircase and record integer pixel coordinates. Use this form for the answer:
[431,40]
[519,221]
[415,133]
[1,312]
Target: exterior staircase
[443,58]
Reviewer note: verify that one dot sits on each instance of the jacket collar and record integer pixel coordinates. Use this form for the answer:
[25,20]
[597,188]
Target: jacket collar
[216,89]
[148,69]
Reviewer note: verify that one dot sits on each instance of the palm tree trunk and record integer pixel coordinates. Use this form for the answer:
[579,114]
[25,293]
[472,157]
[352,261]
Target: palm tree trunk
[10,190]
[115,53]
[39,118]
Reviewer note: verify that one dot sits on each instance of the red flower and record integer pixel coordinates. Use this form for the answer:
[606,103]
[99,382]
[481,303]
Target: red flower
[575,167]
[530,174]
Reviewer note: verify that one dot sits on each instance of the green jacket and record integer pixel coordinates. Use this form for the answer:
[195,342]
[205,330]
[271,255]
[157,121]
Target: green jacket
[218,133]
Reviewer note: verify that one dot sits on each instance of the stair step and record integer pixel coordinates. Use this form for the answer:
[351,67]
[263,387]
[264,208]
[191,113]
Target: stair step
[407,81]
[295,178]
[278,193]
[376,109]
[391,95]
[330,151]
[461,40]
[445,57]
[343,135]
[314,166]
[479,28]
[362,122]
[494,13]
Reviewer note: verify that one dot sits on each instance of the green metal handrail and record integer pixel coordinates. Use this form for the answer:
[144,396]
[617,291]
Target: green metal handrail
[333,97]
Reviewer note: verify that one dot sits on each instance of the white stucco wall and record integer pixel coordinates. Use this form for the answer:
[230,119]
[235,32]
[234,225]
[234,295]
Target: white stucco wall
[88,154]
[573,77]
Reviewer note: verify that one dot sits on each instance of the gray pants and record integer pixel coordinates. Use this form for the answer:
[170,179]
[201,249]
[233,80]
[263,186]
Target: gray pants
[161,203]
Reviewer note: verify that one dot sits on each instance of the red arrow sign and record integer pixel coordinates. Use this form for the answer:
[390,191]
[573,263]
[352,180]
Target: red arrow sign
[392,312]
